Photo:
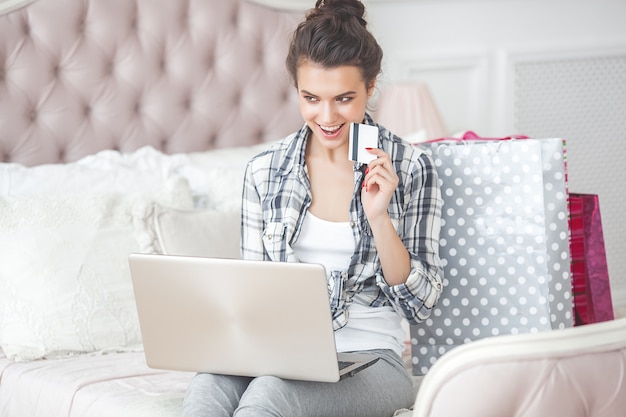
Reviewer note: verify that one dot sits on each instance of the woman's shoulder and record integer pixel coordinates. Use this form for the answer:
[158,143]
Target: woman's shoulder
[411,160]
[399,148]
[274,148]
[278,158]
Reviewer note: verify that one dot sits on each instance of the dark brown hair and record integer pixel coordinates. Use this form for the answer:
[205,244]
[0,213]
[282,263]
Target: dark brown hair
[333,34]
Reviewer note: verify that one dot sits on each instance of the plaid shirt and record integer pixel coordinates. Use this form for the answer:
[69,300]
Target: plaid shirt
[276,196]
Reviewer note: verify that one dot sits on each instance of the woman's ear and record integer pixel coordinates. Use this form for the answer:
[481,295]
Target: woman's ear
[370,89]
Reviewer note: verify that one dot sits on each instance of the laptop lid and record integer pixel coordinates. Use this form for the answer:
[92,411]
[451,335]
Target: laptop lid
[237,317]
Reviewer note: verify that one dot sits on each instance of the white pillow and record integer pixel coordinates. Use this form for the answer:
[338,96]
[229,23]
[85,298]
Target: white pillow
[64,279]
[216,176]
[208,233]
[142,171]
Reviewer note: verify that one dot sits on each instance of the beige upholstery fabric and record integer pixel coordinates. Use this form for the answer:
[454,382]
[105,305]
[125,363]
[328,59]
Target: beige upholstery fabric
[80,76]
[576,372]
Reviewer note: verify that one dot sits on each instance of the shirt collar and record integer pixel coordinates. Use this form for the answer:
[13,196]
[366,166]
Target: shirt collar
[295,152]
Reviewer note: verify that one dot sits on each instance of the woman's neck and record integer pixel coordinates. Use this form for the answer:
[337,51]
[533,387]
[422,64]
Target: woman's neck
[332,182]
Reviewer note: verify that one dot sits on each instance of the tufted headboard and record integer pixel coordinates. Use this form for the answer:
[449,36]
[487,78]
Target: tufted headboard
[81,76]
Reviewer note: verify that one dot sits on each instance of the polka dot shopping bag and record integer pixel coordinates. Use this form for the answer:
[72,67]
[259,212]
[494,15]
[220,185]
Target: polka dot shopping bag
[504,242]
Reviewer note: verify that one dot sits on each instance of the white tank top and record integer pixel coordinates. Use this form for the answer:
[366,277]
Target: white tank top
[332,245]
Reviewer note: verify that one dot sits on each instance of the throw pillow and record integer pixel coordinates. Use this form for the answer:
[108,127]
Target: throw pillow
[64,278]
[209,233]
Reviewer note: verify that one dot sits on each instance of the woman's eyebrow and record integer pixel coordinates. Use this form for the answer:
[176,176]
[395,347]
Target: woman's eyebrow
[347,93]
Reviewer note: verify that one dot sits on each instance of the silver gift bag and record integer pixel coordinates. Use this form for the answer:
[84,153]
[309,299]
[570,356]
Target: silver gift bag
[504,243]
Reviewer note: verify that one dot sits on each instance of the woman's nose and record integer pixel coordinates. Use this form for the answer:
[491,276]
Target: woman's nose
[328,112]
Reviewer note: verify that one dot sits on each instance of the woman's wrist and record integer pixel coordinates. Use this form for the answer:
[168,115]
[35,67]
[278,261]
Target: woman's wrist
[380,221]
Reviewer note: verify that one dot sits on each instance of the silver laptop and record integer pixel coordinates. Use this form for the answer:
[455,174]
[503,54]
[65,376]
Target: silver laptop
[238,317]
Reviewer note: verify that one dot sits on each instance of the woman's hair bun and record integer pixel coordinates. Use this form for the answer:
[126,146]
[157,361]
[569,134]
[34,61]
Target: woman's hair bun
[340,9]
[334,33]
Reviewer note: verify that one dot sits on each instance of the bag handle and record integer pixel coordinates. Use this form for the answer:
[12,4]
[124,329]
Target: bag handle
[470,136]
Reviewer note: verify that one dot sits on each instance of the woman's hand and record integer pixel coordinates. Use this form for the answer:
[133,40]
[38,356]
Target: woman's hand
[378,185]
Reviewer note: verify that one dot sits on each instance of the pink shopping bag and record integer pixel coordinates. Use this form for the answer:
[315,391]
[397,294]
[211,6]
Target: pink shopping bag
[590,278]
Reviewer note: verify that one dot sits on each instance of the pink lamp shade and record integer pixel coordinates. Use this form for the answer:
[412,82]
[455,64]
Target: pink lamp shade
[409,111]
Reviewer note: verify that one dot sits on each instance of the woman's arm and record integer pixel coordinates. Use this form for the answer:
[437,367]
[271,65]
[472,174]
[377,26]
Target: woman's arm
[416,290]
[251,219]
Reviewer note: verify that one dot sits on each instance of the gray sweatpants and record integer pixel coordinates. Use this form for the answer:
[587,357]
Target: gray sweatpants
[374,392]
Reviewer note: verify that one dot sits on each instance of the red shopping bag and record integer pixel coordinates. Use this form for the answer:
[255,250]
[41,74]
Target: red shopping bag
[590,277]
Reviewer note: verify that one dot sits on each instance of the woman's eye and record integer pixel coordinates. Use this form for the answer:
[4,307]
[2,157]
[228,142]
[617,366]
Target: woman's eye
[311,99]
[344,99]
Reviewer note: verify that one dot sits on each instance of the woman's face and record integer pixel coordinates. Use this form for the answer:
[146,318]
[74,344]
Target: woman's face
[330,99]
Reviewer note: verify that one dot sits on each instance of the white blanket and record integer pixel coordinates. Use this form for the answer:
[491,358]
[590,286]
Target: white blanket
[108,385]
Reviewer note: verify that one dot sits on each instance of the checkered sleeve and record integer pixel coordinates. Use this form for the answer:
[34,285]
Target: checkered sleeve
[419,230]
[251,218]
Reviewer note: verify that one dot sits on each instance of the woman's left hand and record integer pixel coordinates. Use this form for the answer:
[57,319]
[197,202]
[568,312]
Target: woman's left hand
[378,185]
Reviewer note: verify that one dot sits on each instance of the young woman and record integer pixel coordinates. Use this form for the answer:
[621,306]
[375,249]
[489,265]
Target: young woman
[374,227]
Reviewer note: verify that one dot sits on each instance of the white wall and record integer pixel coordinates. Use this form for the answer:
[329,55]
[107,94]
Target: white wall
[481,59]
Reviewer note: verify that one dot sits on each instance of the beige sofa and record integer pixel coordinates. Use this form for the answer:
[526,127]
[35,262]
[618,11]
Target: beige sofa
[124,125]
[575,372]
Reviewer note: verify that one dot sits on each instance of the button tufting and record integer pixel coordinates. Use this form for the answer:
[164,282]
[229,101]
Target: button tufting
[210,62]
[286,96]
[235,17]
[108,68]
[212,138]
[92,69]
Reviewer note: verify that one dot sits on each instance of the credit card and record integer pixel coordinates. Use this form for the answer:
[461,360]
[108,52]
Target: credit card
[361,137]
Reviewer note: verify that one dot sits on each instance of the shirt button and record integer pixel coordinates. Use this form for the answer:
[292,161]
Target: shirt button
[352,224]
[269,237]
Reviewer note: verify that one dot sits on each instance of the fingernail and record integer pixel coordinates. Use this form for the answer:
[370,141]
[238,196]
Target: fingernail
[368,149]
[367,170]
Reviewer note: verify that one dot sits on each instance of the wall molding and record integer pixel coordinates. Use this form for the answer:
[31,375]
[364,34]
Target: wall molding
[459,83]
[475,89]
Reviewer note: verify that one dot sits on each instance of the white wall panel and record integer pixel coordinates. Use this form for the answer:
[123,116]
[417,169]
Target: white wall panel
[459,84]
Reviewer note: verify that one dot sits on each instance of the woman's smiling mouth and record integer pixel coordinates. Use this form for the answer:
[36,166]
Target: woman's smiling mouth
[330,131]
